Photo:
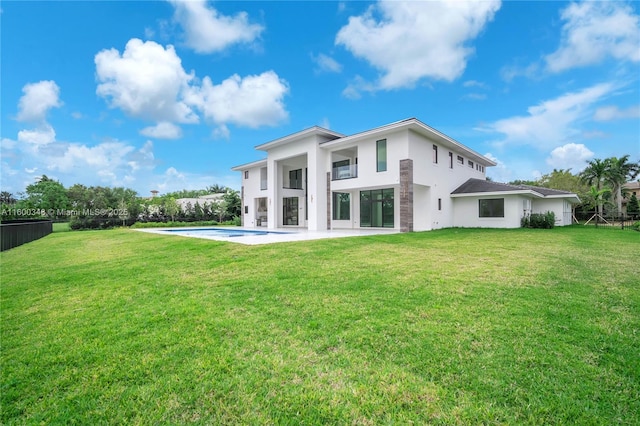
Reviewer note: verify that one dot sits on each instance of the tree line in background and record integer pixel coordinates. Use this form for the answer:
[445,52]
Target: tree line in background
[599,186]
[98,207]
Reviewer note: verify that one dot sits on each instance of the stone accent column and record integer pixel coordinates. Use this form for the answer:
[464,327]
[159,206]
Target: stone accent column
[328,200]
[406,195]
[242,206]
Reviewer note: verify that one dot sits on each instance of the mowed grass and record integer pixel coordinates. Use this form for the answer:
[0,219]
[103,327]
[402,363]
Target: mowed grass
[458,326]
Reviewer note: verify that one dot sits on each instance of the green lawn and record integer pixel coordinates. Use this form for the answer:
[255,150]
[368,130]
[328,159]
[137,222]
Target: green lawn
[444,327]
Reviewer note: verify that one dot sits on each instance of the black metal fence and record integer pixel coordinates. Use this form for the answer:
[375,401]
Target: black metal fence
[17,232]
[607,221]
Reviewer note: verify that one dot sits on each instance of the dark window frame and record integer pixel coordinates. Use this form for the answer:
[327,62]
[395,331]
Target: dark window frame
[341,208]
[491,208]
[381,163]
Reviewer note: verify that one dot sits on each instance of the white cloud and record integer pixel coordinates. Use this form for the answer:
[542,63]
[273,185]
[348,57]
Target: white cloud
[410,41]
[208,31]
[476,96]
[551,121]
[325,124]
[612,112]
[475,83]
[509,72]
[221,132]
[570,156]
[37,100]
[147,81]
[593,31]
[252,101]
[103,158]
[162,130]
[499,172]
[41,136]
[326,63]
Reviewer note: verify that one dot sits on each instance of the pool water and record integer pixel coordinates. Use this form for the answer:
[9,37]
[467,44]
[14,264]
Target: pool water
[220,232]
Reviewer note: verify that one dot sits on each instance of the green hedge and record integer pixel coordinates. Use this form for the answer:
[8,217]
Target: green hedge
[183,224]
[539,220]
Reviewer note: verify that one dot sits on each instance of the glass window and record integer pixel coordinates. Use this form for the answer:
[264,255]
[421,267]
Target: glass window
[263,178]
[341,206]
[451,160]
[376,208]
[381,155]
[492,207]
[439,203]
[471,164]
[246,174]
[460,159]
[295,179]
[435,154]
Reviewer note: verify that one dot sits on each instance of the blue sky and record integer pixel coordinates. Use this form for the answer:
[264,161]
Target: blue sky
[171,95]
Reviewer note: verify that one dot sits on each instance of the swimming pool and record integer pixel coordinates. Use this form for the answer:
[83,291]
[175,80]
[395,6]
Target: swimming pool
[220,232]
[259,236]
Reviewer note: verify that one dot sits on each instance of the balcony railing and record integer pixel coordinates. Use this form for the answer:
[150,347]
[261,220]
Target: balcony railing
[345,172]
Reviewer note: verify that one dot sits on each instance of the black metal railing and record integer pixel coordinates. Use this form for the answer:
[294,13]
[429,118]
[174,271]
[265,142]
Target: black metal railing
[17,232]
[607,220]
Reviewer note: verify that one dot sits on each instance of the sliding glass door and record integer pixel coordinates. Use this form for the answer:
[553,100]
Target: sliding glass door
[290,211]
[376,208]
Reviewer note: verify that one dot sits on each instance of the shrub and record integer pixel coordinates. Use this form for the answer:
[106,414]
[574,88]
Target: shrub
[170,224]
[539,220]
[636,226]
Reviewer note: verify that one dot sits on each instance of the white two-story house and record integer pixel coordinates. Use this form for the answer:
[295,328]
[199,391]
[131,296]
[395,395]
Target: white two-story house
[405,175]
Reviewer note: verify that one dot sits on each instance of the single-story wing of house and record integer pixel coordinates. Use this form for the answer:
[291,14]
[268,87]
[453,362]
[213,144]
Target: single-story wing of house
[405,176]
[500,205]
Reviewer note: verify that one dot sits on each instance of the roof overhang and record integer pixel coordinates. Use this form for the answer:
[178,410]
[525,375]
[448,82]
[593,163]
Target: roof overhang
[572,198]
[312,131]
[241,167]
[499,193]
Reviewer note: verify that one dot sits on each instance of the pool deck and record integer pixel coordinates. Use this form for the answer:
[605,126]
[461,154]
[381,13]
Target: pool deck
[284,235]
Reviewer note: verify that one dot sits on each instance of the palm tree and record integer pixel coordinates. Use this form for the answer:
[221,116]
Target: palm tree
[596,198]
[618,171]
[7,198]
[594,174]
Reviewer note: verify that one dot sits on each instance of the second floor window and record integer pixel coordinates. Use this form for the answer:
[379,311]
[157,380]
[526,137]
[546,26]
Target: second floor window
[381,155]
[295,179]
[435,154]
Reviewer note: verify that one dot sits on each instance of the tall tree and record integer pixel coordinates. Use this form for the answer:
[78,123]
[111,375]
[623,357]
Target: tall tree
[633,207]
[618,171]
[563,180]
[216,189]
[233,203]
[595,175]
[7,198]
[47,194]
[171,208]
[596,197]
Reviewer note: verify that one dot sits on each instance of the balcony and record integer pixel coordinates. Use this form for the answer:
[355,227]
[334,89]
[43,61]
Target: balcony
[345,172]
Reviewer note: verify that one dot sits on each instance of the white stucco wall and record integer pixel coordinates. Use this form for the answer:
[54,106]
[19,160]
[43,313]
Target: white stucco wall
[467,215]
[251,188]
[560,207]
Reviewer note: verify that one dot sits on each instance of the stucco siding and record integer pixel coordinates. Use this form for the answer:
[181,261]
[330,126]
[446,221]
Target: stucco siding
[560,208]
[467,214]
